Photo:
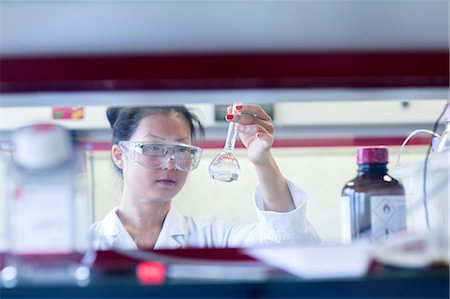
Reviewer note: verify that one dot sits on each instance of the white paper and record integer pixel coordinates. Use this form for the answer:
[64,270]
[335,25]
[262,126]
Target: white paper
[317,262]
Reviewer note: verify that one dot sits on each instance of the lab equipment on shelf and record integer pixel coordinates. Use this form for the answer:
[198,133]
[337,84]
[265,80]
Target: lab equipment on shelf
[47,209]
[373,205]
[426,183]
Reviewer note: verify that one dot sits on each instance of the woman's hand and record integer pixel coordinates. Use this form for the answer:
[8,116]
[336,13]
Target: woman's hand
[255,130]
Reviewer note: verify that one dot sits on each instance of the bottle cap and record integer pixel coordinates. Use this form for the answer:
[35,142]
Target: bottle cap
[41,146]
[371,155]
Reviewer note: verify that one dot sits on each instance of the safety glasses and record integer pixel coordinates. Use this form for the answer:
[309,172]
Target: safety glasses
[157,155]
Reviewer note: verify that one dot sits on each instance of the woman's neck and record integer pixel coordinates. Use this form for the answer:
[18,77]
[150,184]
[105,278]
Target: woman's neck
[143,219]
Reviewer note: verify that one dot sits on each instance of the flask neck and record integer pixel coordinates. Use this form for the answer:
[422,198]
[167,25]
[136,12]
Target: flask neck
[372,168]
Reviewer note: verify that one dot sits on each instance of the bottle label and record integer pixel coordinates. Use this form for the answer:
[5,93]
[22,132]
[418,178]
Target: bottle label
[387,216]
[346,220]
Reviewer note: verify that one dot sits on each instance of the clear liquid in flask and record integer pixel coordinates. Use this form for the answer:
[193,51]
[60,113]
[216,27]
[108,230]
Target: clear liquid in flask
[225,167]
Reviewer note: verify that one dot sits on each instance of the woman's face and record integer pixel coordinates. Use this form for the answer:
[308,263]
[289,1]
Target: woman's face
[163,183]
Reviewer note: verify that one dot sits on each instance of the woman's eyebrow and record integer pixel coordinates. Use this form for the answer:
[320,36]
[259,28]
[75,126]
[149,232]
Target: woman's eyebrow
[185,139]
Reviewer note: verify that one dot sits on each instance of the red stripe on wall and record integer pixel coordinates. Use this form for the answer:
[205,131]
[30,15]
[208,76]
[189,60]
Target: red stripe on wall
[289,143]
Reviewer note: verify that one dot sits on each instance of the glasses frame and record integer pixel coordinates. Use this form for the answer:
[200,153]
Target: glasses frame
[137,146]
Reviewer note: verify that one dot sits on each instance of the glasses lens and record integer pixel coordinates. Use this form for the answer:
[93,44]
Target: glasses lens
[153,150]
[184,152]
[149,159]
[183,157]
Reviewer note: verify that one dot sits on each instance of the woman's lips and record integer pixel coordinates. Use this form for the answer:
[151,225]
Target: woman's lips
[166,182]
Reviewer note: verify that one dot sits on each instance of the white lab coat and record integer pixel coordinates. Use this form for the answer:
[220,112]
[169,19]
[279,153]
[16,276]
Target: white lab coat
[180,231]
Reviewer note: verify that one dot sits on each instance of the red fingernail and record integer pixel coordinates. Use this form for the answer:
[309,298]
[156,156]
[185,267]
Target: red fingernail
[229,116]
[259,134]
[239,107]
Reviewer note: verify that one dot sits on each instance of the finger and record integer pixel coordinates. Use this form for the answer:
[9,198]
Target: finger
[256,110]
[250,129]
[230,108]
[245,119]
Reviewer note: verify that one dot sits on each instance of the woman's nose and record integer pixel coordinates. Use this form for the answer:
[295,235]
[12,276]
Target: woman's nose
[170,163]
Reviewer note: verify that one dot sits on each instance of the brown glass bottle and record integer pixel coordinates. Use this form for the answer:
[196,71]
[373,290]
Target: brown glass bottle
[373,203]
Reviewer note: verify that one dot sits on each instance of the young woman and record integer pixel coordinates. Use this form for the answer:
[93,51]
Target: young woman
[153,149]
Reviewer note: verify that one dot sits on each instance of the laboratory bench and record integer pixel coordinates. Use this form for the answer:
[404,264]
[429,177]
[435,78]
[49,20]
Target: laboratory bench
[114,275]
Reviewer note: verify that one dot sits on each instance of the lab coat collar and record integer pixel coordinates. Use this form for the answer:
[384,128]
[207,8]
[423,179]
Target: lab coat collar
[173,231]
[112,224]
[171,235]
[116,232]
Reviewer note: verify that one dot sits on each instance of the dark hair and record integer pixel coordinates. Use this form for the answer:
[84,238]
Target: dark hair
[125,120]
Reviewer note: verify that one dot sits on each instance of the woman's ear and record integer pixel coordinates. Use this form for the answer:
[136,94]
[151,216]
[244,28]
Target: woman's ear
[117,156]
